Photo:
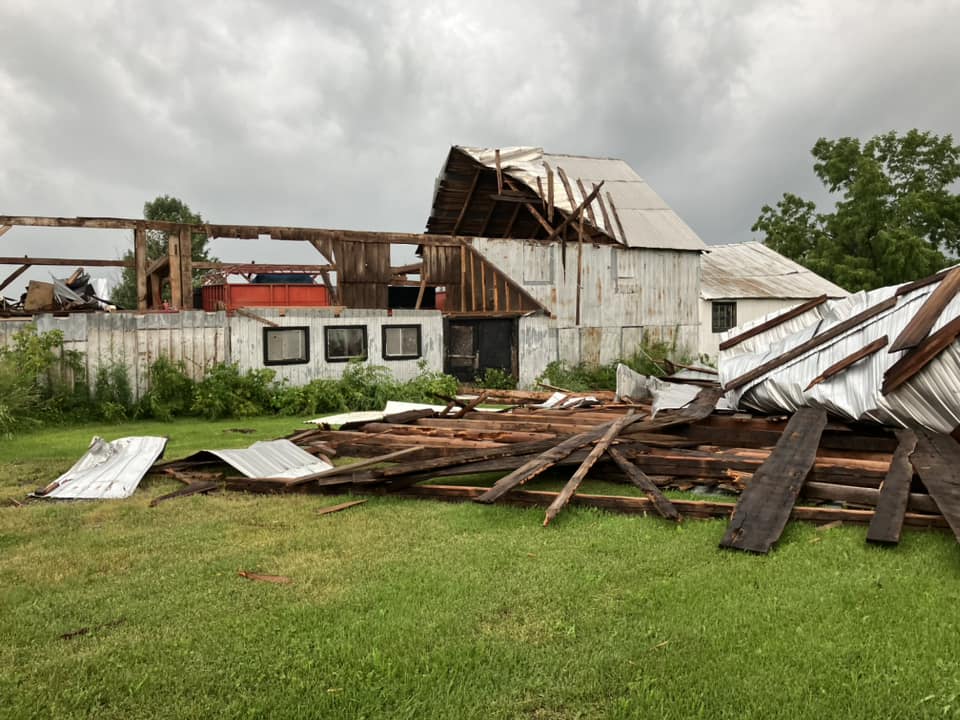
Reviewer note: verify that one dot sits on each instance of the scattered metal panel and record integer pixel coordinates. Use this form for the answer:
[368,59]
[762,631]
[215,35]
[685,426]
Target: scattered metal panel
[648,221]
[930,398]
[271,459]
[663,395]
[752,270]
[108,470]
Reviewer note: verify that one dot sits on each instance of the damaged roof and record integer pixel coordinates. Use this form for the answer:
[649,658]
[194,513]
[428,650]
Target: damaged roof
[647,221]
[752,270]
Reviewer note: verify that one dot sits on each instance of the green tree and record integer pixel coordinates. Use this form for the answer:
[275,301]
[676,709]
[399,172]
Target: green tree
[170,209]
[896,218]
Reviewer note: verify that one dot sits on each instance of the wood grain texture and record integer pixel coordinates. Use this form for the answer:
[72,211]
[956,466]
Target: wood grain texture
[887,523]
[937,462]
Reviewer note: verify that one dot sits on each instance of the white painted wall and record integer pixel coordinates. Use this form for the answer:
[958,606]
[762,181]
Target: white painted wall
[747,309]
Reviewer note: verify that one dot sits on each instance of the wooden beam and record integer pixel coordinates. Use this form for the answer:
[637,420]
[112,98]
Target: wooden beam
[923,282]
[904,369]
[496,160]
[69,262]
[467,199]
[259,318]
[764,506]
[186,268]
[532,210]
[161,263]
[578,220]
[549,193]
[14,275]
[266,268]
[887,522]
[640,479]
[140,265]
[576,212]
[923,320]
[4,229]
[421,291]
[176,277]
[773,322]
[513,219]
[508,283]
[937,462]
[616,216]
[579,269]
[607,225]
[811,344]
[849,361]
[583,193]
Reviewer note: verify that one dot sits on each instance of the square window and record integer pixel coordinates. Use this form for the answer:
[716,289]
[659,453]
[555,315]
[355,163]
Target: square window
[724,316]
[286,345]
[345,342]
[401,342]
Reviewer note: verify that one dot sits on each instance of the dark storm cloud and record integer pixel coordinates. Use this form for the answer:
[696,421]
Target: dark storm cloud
[340,114]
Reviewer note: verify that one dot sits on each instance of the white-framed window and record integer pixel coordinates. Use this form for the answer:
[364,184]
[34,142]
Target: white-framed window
[345,342]
[286,345]
[723,315]
[402,342]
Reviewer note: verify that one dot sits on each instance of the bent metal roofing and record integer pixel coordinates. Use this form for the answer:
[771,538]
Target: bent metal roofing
[648,222]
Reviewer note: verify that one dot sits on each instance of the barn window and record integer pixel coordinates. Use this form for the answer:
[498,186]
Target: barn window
[724,316]
[625,270]
[345,342]
[286,345]
[401,342]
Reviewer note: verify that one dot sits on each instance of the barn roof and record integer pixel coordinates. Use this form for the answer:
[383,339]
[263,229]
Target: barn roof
[636,217]
[752,270]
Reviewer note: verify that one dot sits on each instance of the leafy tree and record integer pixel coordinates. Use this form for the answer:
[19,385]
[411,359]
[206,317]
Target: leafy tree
[896,218]
[170,209]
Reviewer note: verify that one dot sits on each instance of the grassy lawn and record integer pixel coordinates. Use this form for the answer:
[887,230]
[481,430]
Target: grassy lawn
[404,609]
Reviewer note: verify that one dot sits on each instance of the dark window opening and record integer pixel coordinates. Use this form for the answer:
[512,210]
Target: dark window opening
[401,342]
[345,342]
[724,316]
[286,346]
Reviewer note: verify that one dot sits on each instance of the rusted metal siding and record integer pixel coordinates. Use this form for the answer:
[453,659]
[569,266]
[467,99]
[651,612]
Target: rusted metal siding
[246,340]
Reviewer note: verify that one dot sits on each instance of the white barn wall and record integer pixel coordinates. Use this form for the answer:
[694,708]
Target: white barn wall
[747,309]
[246,340]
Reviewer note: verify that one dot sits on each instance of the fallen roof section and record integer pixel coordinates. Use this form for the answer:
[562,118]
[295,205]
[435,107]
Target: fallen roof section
[269,459]
[108,470]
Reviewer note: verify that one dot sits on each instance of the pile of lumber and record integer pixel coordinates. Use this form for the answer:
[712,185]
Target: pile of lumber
[803,467]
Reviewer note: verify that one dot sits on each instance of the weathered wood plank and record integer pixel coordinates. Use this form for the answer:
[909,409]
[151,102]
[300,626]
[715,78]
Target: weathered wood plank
[937,462]
[922,322]
[351,468]
[887,523]
[640,479]
[764,507]
[337,508]
[14,275]
[576,479]
[849,361]
[904,369]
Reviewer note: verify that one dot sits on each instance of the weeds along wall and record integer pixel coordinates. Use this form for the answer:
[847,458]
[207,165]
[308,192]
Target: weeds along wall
[203,339]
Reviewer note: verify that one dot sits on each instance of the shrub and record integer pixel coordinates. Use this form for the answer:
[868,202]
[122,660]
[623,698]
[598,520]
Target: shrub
[226,392]
[496,379]
[171,391]
[19,400]
[112,395]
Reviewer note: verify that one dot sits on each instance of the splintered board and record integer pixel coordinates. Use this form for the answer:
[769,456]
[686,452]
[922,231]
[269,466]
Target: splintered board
[887,521]
[765,505]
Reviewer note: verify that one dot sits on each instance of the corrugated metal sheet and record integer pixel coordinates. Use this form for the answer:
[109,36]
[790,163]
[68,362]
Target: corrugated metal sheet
[109,470]
[271,459]
[647,220]
[931,398]
[752,270]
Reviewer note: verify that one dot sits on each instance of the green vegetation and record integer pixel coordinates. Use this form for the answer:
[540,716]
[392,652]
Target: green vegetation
[648,359]
[40,382]
[898,218]
[404,609]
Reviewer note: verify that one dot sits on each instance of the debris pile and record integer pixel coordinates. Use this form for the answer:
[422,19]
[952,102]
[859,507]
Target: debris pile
[72,294]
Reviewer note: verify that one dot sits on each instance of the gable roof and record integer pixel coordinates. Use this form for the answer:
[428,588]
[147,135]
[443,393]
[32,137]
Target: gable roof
[752,270]
[648,222]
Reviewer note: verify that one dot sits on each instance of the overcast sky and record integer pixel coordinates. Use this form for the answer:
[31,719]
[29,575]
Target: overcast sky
[340,114]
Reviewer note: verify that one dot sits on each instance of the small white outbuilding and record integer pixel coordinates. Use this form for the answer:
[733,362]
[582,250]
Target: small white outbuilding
[744,281]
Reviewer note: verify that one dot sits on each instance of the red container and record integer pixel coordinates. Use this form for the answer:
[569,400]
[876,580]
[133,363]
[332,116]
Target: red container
[236,295]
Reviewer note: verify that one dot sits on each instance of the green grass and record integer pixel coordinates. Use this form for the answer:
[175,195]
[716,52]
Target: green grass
[405,609]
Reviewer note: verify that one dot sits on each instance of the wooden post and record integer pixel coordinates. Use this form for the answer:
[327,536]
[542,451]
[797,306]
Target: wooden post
[140,265]
[579,264]
[176,278]
[186,268]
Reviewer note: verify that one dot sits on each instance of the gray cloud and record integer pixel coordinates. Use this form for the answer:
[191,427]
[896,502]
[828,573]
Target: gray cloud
[340,114]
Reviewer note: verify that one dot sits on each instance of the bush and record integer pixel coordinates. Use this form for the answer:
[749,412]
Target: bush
[171,391]
[226,392]
[19,400]
[496,379]
[112,395]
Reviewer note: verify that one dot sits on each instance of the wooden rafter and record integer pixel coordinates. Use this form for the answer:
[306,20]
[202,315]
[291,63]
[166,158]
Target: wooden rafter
[13,276]
[616,216]
[576,212]
[468,199]
[4,229]
[583,193]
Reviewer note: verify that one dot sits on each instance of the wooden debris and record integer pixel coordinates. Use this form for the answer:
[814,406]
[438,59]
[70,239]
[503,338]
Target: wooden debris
[573,483]
[937,462]
[191,489]
[773,322]
[849,361]
[337,508]
[923,320]
[764,507]
[886,524]
[350,468]
[277,579]
[640,479]
[922,355]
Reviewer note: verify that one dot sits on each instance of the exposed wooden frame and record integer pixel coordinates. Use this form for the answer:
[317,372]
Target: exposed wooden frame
[905,368]
[583,193]
[616,216]
[923,320]
[468,199]
[13,276]
[576,212]
[550,197]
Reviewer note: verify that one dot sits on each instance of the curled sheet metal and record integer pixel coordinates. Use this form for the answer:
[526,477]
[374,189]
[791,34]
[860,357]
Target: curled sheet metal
[931,398]
[108,470]
[662,395]
[271,459]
